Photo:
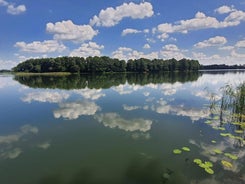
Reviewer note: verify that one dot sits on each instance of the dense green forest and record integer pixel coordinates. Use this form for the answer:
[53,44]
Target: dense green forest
[221,67]
[105,80]
[104,64]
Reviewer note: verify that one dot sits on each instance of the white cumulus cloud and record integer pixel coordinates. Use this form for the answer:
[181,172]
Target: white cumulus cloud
[12,9]
[172,51]
[224,9]
[126,53]
[200,21]
[16,10]
[112,16]
[214,41]
[88,49]
[67,30]
[240,44]
[130,31]
[46,46]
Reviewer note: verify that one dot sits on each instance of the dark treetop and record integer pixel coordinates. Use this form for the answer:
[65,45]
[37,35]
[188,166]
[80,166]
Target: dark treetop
[104,64]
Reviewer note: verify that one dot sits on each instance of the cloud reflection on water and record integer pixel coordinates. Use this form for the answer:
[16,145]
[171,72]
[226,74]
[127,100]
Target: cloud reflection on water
[114,120]
[72,110]
[7,142]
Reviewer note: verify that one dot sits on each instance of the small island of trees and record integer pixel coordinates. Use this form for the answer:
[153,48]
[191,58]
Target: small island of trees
[104,64]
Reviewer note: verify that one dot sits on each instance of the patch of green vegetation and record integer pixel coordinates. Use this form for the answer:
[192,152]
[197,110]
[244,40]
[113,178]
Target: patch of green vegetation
[177,151]
[231,156]
[226,164]
[186,148]
[217,151]
[205,165]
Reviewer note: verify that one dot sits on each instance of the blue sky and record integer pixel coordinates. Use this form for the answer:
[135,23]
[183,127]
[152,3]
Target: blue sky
[211,31]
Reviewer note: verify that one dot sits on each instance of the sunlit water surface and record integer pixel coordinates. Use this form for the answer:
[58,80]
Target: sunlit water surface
[114,129]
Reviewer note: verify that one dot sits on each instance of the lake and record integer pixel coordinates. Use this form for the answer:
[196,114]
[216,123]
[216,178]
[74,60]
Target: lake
[118,129]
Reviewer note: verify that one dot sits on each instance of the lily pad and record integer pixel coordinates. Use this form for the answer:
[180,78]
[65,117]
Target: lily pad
[224,134]
[236,123]
[208,122]
[186,149]
[221,128]
[231,156]
[239,131]
[226,164]
[177,151]
[217,151]
[197,161]
[213,141]
[202,165]
[209,170]
[166,175]
[209,164]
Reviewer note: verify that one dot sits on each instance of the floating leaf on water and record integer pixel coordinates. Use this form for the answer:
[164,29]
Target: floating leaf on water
[209,170]
[197,161]
[213,141]
[224,134]
[242,125]
[221,128]
[239,138]
[216,118]
[217,151]
[215,128]
[208,122]
[231,156]
[231,136]
[209,164]
[202,165]
[239,131]
[236,123]
[166,175]
[186,148]
[177,151]
[226,164]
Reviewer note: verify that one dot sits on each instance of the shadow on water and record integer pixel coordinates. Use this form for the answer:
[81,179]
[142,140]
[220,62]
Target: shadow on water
[104,81]
[140,170]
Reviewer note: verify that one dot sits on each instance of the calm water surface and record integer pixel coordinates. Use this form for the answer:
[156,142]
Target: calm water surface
[114,129]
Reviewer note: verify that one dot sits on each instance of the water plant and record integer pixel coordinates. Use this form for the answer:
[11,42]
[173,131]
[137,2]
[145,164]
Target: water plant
[209,170]
[217,151]
[205,165]
[186,148]
[177,151]
[231,156]
[230,110]
[226,164]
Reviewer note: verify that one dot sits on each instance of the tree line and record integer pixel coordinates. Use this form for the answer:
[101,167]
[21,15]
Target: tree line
[104,64]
